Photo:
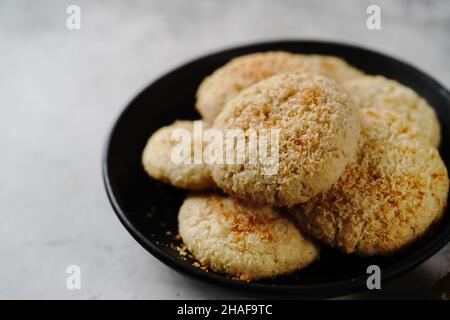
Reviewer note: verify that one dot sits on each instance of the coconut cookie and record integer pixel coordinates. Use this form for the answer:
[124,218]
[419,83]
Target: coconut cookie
[244,241]
[240,73]
[332,67]
[158,162]
[382,93]
[387,198]
[317,129]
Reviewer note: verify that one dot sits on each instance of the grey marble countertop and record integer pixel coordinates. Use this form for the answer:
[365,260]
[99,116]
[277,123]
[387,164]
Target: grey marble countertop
[60,91]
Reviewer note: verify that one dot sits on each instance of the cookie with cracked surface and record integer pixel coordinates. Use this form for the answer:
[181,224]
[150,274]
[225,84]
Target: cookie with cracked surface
[241,72]
[394,191]
[317,129]
[242,240]
[381,93]
[157,161]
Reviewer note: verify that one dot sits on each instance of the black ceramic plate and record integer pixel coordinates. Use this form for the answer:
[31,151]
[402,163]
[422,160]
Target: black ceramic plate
[148,209]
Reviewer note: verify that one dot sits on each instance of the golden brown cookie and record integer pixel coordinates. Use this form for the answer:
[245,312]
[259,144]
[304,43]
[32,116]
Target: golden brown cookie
[244,241]
[241,72]
[387,198]
[381,93]
[158,163]
[318,130]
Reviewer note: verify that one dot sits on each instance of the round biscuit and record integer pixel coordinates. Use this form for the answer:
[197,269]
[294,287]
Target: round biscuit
[244,241]
[318,130]
[388,197]
[381,93]
[241,72]
[157,161]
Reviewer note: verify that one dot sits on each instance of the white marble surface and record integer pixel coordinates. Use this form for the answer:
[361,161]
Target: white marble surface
[61,90]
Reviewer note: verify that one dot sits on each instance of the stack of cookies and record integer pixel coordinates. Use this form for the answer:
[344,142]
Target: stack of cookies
[356,165]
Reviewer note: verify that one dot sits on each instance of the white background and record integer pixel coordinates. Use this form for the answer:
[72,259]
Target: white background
[61,90]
